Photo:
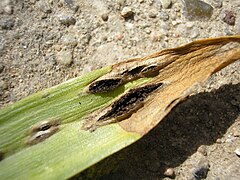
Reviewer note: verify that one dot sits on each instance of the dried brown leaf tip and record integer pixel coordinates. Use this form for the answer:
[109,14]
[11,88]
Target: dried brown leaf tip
[42,131]
[122,108]
[179,68]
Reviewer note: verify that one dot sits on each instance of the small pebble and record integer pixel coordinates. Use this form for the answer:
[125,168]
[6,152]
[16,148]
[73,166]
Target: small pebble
[164,16]
[219,141]
[67,20]
[197,10]
[1,68]
[65,57]
[156,36]
[3,85]
[71,4]
[104,38]
[104,17]
[202,149]
[126,12]
[237,151]
[7,24]
[228,17]
[68,39]
[44,7]
[120,2]
[201,170]
[169,173]
[236,132]
[152,14]
[8,9]
[195,33]
[217,3]
[166,3]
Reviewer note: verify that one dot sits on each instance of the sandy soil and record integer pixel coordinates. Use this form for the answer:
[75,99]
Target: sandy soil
[46,42]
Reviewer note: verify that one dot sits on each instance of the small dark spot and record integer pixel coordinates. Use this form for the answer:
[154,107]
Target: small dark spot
[7,24]
[129,102]
[229,17]
[44,125]
[104,85]
[151,71]
[1,155]
[104,17]
[80,103]
[42,135]
[69,2]
[201,171]
[133,72]
[42,131]
[45,95]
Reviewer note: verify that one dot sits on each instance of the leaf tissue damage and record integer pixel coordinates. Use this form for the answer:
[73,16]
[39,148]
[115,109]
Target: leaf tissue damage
[179,67]
[43,130]
[124,107]
[106,85]
[129,102]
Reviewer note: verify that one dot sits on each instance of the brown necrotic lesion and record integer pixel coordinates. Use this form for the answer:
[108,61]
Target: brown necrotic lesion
[42,131]
[104,85]
[123,107]
[134,72]
[151,71]
[109,84]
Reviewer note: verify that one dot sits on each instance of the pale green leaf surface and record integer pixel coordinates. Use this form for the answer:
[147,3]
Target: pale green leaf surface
[66,153]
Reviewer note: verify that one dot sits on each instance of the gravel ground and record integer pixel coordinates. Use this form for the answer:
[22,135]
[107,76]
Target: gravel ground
[46,42]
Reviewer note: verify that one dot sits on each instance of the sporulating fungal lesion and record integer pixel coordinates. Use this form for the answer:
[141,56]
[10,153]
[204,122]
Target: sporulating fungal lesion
[42,131]
[109,84]
[104,85]
[134,72]
[151,71]
[124,107]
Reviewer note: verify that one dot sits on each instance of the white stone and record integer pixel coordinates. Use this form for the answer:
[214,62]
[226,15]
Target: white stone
[166,3]
[65,57]
[126,12]
[237,151]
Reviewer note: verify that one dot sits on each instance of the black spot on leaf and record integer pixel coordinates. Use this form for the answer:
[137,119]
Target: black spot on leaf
[104,85]
[130,102]
[150,71]
[134,72]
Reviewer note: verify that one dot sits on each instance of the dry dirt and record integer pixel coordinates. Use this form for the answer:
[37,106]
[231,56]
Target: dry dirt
[46,42]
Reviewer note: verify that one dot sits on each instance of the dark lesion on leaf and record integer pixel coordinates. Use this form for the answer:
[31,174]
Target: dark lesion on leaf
[134,72]
[130,102]
[41,131]
[151,71]
[123,107]
[1,155]
[104,85]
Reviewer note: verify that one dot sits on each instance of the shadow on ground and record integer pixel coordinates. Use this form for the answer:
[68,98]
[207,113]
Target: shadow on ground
[200,120]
